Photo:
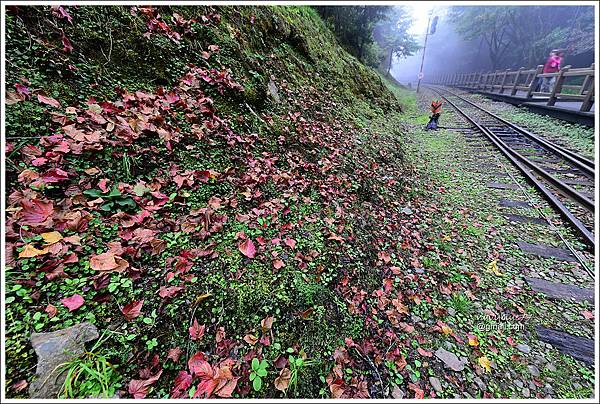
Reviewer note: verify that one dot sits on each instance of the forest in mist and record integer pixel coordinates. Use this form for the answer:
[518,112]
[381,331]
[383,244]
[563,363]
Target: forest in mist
[466,38]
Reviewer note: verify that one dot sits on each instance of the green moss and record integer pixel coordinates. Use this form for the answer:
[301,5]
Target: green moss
[290,44]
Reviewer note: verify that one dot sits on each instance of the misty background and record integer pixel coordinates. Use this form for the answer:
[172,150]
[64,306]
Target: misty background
[486,38]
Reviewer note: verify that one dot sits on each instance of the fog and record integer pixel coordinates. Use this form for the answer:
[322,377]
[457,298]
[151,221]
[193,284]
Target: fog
[446,52]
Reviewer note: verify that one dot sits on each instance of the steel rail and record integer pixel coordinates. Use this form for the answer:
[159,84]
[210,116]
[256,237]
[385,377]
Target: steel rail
[565,188]
[548,195]
[586,165]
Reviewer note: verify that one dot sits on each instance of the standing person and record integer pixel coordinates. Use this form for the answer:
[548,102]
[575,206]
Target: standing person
[552,65]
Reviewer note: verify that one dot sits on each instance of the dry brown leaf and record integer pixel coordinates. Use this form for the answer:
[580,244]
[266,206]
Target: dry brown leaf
[283,380]
[251,339]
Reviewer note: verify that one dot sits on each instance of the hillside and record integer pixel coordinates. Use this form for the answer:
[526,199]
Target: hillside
[212,188]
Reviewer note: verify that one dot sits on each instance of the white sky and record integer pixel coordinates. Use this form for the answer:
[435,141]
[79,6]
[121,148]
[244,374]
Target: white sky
[420,11]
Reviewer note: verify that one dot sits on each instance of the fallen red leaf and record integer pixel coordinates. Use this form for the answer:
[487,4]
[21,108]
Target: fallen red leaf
[169,291]
[35,211]
[290,242]
[199,366]
[54,175]
[74,302]
[67,47]
[182,382]
[20,385]
[139,388]
[132,310]
[196,330]
[48,101]
[247,248]
[174,354]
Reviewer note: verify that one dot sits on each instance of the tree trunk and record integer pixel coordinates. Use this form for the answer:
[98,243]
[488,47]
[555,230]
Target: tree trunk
[390,62]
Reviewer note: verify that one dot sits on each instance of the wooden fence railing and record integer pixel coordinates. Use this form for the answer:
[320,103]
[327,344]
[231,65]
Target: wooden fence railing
[569,84]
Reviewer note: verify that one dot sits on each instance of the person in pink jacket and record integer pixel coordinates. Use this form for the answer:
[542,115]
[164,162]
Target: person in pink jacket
[552,65]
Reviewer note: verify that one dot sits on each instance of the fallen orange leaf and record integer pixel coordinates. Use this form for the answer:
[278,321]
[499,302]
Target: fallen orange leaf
[52,237]
[30,251]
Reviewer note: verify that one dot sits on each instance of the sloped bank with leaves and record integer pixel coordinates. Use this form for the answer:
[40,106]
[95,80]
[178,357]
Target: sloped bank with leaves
[205,224]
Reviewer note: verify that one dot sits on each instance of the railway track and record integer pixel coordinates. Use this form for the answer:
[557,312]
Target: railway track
[563,177]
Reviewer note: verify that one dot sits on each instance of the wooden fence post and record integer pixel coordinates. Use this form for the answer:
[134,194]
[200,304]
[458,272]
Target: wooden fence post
[587,79]
[503,80]
[586,105]
[516,82]
[533,82]
[560,79]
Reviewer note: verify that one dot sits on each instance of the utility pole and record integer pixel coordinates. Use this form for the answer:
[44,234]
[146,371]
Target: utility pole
[424,47]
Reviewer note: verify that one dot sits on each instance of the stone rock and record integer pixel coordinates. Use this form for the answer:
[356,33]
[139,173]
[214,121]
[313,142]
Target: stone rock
[415,319]
[539,360]
[397,393]
[550,367]
[535,372]
[450,360]
[451,311]
[436,384]
[524,348]
[272,91]
[519,383]
[407,211]
[480,383]
[54,349]
[525,392]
